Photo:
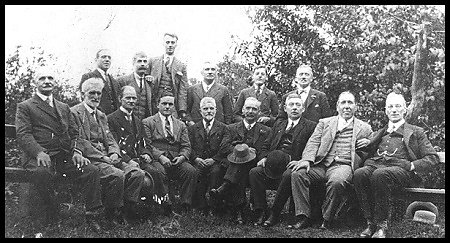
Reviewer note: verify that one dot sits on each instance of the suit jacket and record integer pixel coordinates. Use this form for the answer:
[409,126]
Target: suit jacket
[89,151]
[302,132]
[131,81]
[237,135]
[109,101]
[179,79]
[130,142]
[36,128]
[217,91]
[316,106]
[420,151]
[319,144]
[157,143]
[219,141]
[269,103]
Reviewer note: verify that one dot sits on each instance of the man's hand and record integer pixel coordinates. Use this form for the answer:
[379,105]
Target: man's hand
[178,160]
[263,119]
[262,162]
[43,159]
[209,161]
[114,158]
[146,158]
[164,161]
[361,143]
[79,161]
[190,123]
[298,164]
[200,162]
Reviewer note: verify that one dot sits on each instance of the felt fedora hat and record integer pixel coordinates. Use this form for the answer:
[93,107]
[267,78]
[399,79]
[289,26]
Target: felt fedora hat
[424,216]
[241,154]
[148,187]
[276,164]
[418,205]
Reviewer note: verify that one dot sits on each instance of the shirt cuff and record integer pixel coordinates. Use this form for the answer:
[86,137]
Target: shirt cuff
[412,166]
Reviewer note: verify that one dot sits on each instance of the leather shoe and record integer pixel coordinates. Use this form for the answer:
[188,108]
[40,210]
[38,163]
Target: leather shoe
[326,224]
[259,217]
[302,222]
[368,232]
[272,220]
[382,230]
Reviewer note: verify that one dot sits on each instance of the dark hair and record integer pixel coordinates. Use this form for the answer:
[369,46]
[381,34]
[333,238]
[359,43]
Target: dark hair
[98,52]
[123,89]
[171,34]
[346,92]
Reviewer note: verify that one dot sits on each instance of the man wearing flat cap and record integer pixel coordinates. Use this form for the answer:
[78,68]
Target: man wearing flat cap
[252,133]
[285,144]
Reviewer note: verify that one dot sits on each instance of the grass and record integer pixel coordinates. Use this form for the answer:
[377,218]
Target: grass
[194,225]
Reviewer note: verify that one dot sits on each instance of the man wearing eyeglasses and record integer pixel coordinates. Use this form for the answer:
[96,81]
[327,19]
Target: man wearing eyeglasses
[48,135]
[209,88]
[396,153]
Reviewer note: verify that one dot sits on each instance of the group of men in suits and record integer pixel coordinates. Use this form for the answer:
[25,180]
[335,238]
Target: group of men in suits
[132,136]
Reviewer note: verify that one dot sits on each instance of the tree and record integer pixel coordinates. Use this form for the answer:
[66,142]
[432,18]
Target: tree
[234,75]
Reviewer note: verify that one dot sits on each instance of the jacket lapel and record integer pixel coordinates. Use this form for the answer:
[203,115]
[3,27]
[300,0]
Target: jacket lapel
[214,90]
[240,129]
[59,107]
[176,129]
[264,95]
[256,134]
[309,100]
[43,106]
[124,122]
[279,132]
[199,90]
[299,127]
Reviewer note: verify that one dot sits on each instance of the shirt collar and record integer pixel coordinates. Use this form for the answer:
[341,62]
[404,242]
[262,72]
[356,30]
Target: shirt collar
[103,73]
[125,111]
[396,125]
[210,123]
[294,121]
[137,77]
[170,57]
[342,123]
[89,109]
[163,118]
[44,97]
[205,86]
[307,89]
[256,87]
[246,124]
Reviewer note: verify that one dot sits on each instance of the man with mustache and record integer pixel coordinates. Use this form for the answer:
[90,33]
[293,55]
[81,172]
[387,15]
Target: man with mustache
[268,98]
[169,77]
[315,102]
[329,159]
[109,100]
[101,148]
[209,88]
[48,136]
[141,83]
[210,146]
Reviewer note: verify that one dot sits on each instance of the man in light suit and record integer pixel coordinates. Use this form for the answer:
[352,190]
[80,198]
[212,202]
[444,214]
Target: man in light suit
[209,88]
[48,135]
[329,156]
[169,77]
[268,98]
[210,147]
[141,83]
[168,140]
[398,154]
[110,99]
[315,102]
[101,148]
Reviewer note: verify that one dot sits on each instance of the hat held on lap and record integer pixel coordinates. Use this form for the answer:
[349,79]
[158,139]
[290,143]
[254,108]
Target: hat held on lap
[276,164]
[241,154]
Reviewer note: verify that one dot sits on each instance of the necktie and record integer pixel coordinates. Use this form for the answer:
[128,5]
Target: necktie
[208,124]
[167,127]
[167,62]
[142,82]
[94,115]
[49,102]
[258,92]
[290,127]
[390,129]
[249,127]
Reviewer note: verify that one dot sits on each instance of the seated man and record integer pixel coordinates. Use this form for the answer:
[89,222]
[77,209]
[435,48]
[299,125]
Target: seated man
[47,133]
[284,144]
[396,152]
[329,157]
[101,148]
[210,146]
[168,140]
[252,133]
[128,132]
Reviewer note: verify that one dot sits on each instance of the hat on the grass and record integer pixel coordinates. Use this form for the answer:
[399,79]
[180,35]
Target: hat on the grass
[241,154]
[276,162]
[421,206]
[148,187]
[424,217]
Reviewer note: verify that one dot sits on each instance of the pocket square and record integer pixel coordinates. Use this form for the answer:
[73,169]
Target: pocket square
[317,105]
[180,73]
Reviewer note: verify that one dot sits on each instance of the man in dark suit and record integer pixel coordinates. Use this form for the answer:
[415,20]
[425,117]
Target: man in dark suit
[268,98]
[249,132]
[209,88]
[168,140]
[315,102]
[398,154]
[110,101]
[101,148]
[210,146]
[128,132]
[329,158]
[48,135]
[283,146]
[169,77]
[141,83]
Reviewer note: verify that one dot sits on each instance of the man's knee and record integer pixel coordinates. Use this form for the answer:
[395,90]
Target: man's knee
[91,170]
[42,174]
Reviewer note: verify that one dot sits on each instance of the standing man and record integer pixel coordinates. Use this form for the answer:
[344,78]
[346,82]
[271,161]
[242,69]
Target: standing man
[169,77]
[48,135]
[398,153]
[268,98]
[329,157]
[253,134]
[209,88]
[315,102]
[142,85]
[101,148]
[210,147]
[168,140]
[109,101]
[283,147]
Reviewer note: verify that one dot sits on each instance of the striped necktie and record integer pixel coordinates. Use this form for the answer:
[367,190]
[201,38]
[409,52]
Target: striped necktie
[167,127]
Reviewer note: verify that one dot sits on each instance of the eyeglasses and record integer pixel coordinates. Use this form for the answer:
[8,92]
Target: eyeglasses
[42,78]
[95,93]
[385,153]
[208,69]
